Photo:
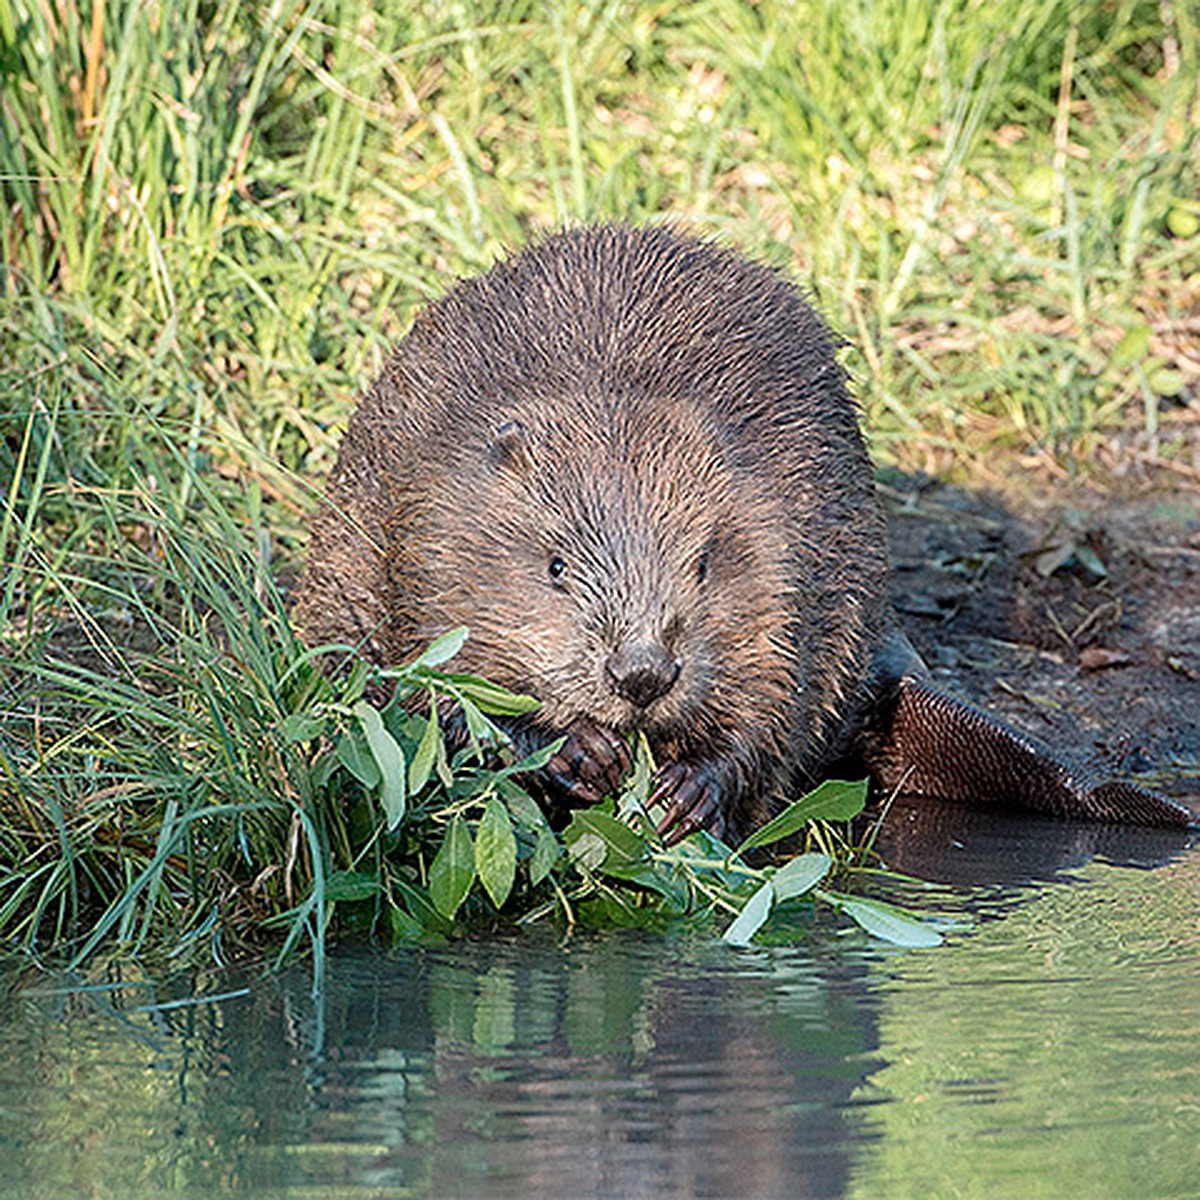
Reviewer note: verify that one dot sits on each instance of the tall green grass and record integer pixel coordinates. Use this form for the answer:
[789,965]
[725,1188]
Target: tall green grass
[231,208]
[214,218]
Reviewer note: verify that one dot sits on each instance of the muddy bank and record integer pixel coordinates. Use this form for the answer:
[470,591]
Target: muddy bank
[1078,620]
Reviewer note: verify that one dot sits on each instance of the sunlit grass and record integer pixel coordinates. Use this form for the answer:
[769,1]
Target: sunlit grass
[229,210]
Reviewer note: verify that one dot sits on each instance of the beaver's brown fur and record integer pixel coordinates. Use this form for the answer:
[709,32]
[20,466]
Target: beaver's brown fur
[627,460]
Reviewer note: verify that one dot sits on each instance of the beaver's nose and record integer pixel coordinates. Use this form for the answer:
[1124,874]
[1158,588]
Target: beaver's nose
[641,672]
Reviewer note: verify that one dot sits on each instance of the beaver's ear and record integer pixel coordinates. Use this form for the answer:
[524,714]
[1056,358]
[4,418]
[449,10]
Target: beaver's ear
[509,448]
[925,743]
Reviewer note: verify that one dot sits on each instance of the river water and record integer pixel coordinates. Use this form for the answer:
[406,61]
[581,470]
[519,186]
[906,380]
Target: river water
[1051,1048]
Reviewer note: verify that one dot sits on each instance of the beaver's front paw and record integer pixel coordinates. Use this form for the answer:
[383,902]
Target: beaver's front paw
[588,767]
[694,793]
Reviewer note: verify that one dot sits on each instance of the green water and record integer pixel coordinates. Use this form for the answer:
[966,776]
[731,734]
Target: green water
[1053,1049]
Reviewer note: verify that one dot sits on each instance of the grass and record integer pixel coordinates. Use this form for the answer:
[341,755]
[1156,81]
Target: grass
[217,216]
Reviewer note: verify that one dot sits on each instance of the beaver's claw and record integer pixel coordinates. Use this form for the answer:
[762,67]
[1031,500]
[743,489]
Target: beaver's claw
[588,766]
[695,801]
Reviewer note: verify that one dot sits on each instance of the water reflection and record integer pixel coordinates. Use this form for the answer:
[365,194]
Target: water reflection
[608,1067]
[1055,1043]
[1056,1053]
[956,844]
[604,1069]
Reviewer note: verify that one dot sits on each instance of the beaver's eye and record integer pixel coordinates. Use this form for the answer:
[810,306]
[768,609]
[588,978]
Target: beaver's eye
[557,570]
[702,567]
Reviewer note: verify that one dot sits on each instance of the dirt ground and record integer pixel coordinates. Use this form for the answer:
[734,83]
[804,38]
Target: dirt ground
[1077,620]
[1073,615]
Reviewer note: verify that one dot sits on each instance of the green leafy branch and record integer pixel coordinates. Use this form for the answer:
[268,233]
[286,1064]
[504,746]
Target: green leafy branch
[609,865]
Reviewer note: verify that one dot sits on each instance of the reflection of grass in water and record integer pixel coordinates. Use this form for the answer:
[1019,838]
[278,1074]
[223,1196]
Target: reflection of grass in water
[210,216]
[1052,1054]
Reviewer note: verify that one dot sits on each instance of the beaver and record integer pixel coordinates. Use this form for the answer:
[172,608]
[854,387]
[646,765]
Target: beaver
[628,460]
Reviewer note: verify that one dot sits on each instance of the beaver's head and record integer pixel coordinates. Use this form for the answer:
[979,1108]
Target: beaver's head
[607,559]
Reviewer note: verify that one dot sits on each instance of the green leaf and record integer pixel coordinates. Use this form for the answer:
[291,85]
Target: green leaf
[420,904]
[442,765]
[750,920]
[532,762]
[799,875]
[453,869]
[300,727]
[389,758]
[524,810]
[537,760]
[496,851]
[885,921]
[355,755]
[1166,382]
[655,877]
[490,697]
[834,800]
[423,761]
[547,851]
[350,885]
[403,927]
[478,726]
[588,850]
[623,848]
[443,649]
[639,783]
[1133,347]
